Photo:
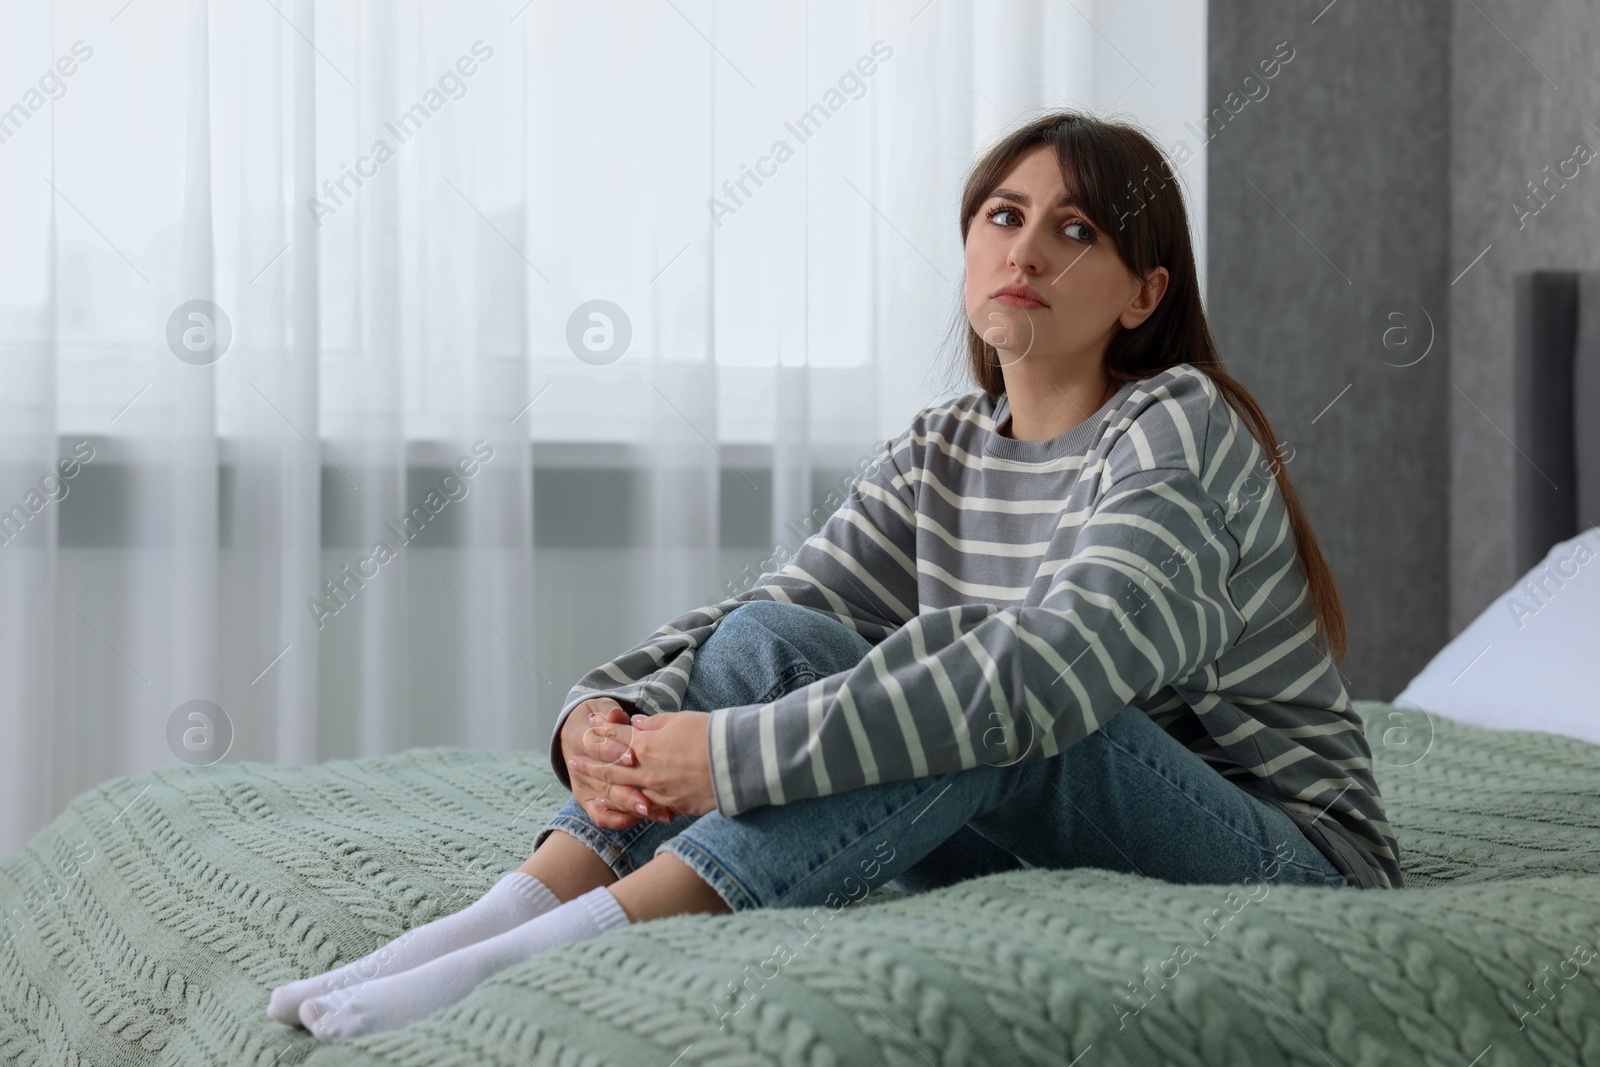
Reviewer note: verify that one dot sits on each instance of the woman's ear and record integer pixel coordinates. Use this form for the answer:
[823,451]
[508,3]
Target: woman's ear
[1145,300]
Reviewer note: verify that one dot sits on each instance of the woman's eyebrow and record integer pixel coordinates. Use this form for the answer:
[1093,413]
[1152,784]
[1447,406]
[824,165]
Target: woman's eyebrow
[1024,199]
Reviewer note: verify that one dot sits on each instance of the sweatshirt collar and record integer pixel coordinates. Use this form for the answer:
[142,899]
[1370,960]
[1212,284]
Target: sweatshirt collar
[1075,441]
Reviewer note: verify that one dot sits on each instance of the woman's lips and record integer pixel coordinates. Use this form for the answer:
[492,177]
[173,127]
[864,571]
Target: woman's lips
[1017,301]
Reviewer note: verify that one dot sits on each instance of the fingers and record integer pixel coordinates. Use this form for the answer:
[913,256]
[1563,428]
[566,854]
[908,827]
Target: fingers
[618,807]
[608,815]
[598,712]
[604,773]
[604,817]
[588,709]
[650,722]
[609,744]
[660,801]
[605,742]
[627,798]
[606,749]
[618,797]
[607,710]
[595,712]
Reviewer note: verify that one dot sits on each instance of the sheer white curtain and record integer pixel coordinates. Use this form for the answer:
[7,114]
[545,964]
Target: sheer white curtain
[318,437]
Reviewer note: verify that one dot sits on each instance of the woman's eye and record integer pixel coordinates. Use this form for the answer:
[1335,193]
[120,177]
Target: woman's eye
[1079,231]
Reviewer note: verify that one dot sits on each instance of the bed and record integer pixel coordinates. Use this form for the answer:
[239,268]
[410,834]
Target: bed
[147,924]
[165,906]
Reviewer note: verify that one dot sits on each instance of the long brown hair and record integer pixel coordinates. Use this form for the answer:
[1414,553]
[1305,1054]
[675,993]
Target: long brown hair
[1128,189]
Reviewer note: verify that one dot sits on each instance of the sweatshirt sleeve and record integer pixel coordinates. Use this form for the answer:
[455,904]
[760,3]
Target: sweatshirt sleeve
[1142,602]
[858,569]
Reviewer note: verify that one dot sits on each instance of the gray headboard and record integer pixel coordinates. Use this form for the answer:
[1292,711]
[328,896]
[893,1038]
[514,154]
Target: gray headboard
[1556,387]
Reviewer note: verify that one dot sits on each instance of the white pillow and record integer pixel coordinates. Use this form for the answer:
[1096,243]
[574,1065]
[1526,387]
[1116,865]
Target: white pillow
[1528,662]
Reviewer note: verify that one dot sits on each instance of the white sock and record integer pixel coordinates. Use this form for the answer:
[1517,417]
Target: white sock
[512,901]
[390,1003]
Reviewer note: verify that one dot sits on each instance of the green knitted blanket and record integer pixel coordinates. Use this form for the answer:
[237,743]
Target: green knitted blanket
[147,924]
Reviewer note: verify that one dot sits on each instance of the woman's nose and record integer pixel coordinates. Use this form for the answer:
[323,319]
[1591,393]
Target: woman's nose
[1025,254]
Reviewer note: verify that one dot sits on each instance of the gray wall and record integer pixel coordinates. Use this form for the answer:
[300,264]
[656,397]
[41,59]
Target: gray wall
[1328,212]
[1518,108]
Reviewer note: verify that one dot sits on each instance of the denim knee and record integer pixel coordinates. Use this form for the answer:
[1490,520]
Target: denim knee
[765,648]
[800,626]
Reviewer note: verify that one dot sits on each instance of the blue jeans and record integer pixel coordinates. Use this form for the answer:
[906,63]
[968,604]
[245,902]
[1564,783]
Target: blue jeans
[1129,797]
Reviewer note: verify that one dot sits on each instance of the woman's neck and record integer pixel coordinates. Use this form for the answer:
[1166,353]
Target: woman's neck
[1043,406]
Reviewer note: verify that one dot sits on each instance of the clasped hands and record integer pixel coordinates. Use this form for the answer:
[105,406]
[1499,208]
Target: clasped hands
[648,767]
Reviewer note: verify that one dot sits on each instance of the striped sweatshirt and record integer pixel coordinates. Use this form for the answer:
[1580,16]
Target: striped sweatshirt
[1018,594]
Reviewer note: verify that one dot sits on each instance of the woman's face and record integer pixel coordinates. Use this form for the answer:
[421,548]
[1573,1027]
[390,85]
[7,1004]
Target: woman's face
[1081,292]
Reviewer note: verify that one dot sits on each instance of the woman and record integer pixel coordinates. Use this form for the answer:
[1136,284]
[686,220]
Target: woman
[1074,618]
